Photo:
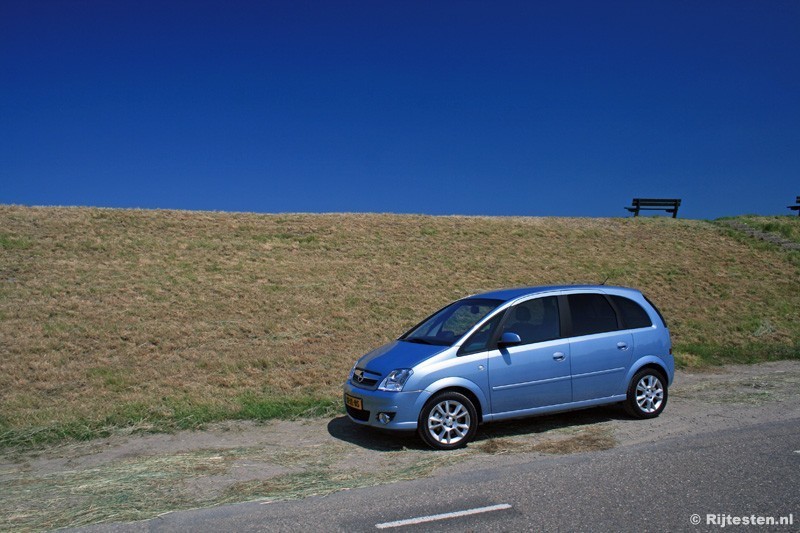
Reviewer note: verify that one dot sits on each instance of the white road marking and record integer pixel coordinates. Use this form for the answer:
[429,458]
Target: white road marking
[443,516]
[797,451]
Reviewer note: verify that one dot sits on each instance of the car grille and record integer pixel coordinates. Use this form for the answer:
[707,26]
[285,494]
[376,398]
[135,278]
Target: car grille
[365,379]
[358,414]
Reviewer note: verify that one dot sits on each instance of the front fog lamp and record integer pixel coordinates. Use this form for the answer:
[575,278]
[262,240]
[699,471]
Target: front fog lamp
[396,380]
[385,418]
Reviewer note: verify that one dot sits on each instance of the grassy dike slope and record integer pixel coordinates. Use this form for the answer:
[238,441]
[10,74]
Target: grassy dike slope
[166,319]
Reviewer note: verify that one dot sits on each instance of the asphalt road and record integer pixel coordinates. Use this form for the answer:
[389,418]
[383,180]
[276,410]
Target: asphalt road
[750,472]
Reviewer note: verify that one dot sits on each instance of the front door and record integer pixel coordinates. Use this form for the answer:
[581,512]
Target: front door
[535,373]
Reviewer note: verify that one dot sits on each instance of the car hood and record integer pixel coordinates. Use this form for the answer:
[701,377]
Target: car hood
[398,354]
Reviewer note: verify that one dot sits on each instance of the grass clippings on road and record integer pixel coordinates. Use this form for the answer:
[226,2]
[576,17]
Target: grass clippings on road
[584,439]
[143,486]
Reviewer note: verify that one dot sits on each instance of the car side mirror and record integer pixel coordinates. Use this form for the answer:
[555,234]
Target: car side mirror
[509,338]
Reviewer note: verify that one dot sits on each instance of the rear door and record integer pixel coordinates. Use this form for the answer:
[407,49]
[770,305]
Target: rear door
[601,353]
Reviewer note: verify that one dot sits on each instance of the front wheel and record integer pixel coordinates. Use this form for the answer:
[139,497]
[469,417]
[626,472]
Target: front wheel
[647,394]
[448,421]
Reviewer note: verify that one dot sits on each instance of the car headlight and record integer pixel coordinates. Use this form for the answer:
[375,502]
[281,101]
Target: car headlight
[396,380]
[352,371]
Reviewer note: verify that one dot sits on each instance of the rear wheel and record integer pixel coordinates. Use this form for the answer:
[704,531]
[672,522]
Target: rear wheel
[647,394]
[448,421]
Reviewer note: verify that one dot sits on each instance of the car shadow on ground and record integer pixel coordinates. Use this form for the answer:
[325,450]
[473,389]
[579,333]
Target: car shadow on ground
[371,438]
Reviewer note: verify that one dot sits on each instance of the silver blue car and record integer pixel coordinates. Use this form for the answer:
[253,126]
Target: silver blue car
[515,353]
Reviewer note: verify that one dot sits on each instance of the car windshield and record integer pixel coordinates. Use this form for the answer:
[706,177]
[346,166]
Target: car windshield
[446,326]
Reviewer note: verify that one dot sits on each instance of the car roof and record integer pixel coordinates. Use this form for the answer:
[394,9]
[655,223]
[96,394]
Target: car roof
[512,294]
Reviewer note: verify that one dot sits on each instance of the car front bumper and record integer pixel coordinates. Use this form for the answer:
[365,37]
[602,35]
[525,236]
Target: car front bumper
[403,407]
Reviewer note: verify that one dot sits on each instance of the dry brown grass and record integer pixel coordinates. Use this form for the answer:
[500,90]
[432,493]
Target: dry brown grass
[157,309]
[589,439]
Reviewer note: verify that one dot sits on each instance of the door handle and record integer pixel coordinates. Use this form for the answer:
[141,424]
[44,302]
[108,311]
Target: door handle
[622,346]
[559,356]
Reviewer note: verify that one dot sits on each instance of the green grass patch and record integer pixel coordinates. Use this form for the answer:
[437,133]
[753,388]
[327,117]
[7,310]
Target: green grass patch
[701,355]
[428,231]
[9,242]
[169,416]
[786,226]
[299,239]
[253,407]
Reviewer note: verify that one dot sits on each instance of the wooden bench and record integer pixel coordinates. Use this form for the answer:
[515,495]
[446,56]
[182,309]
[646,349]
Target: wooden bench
[795,207]
[670,205]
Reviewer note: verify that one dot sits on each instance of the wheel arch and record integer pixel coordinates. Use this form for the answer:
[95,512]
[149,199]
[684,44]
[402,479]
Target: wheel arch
[461,386]
[652,363]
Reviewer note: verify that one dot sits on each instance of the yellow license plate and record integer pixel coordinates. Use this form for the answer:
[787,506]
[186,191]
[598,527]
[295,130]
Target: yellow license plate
[353,402]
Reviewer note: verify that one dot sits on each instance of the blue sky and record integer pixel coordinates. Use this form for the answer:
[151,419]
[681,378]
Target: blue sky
[477,108]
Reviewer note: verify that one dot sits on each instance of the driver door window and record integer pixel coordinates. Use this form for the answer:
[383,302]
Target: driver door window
[535,320]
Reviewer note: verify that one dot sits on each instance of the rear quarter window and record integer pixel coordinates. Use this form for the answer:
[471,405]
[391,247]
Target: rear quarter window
[663,320]
[633,316]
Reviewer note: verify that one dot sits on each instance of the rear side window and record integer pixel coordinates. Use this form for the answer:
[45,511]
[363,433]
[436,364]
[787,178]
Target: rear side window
[591,313]
[633,316]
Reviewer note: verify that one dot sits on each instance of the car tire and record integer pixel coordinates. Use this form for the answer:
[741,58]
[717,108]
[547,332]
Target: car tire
[647,394]
[448,421]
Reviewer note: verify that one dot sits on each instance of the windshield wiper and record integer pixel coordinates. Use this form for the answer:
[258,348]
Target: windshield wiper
[418,340]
